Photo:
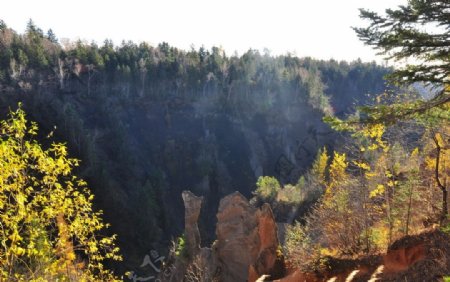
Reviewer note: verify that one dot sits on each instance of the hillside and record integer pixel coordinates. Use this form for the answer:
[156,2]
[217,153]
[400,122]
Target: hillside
[151,121]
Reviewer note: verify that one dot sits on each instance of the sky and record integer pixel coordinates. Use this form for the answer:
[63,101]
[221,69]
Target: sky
[315,28]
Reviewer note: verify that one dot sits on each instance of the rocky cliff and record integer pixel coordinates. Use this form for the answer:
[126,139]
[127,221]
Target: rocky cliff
[245,248]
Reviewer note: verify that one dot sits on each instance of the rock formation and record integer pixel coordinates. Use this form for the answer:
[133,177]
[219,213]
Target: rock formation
[268,260]
[246,245]
[192,205]
[237,234]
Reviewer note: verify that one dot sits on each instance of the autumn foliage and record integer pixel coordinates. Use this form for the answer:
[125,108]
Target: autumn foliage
[49,230]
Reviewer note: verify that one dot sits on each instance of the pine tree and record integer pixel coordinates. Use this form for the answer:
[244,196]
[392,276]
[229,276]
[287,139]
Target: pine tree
[51,36]
[2,25]
[417,32]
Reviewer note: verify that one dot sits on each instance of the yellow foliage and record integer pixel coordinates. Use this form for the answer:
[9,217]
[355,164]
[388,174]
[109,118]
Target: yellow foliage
[443,141]
[362,165]
[374,134]
[414,153]
[379,190]
[44,211]
[338,175]
[338,167]
[328,252]
[391,183]
[320,165]
[380,236]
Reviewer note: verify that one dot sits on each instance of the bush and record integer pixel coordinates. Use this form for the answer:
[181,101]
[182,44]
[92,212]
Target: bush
[267,188]
[180,247]
[299,248]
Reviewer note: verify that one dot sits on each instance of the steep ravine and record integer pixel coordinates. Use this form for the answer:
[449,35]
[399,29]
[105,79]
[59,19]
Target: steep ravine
[141,147]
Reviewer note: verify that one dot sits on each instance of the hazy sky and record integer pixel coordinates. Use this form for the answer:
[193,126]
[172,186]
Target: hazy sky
[317,28]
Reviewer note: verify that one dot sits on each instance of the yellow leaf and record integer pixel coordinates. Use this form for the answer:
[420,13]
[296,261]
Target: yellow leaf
[377,191]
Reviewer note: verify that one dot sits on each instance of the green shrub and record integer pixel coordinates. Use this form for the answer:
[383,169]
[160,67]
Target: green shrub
[268,187]
[180,247]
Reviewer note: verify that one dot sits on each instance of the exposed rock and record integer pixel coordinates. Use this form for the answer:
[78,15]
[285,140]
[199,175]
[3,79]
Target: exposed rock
[238,241]
[267,261]
[416,257]
[246,245]
[247,239]
[177,269]
[400,260]
[192,205]
[422,257]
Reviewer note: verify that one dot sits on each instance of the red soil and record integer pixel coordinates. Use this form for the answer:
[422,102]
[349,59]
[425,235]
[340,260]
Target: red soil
[423,257]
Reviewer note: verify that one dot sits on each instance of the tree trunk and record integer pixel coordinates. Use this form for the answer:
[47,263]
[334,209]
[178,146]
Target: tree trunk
[408,215]
[444,204]
[439,183]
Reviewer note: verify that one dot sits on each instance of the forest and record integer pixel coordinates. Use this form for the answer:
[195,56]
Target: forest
[98,143]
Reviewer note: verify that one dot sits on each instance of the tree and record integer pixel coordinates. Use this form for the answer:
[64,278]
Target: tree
[417,32]
[319,166]
[268,187]
[299,247]
[51,36]
[439,161]
[2,25]
[49,229]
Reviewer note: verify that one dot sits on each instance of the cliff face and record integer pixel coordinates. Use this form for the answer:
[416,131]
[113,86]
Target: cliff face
[213,152]
[247,241]
[138,156]
[245,248]
[145,134]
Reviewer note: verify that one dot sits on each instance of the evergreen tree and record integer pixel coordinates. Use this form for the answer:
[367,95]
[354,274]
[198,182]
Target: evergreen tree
[417,32]
[2,25]
[51,36]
